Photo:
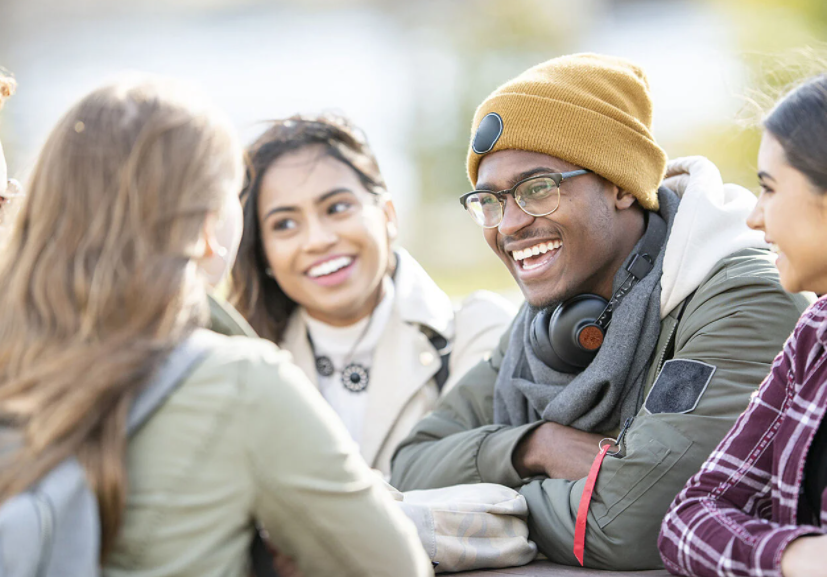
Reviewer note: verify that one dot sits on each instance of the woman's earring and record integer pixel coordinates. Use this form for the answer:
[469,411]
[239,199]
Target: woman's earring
[269,272]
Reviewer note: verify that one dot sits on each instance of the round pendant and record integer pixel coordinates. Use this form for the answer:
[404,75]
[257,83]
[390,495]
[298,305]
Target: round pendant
[324,366]
[355,378]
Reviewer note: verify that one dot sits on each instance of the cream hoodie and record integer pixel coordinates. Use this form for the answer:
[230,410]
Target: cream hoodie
[711,223]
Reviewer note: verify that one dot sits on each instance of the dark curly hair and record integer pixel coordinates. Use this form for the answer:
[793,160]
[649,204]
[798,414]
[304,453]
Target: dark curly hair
[256,295]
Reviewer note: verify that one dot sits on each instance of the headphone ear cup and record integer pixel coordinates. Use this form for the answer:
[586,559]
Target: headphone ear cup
[567,338]
[541,341]
[573,331]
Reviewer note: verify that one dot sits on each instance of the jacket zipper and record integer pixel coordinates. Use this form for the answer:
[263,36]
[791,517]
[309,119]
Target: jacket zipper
[621,437]
[666,348]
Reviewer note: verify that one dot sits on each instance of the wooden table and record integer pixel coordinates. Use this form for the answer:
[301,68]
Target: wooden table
[549,569]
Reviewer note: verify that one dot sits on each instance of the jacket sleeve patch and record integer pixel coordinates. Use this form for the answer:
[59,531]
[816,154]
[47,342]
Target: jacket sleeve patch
[679,386]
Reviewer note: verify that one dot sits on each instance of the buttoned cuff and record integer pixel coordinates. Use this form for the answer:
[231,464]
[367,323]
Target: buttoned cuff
[494,458]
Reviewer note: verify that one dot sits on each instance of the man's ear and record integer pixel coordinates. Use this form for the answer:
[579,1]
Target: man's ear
[623,199]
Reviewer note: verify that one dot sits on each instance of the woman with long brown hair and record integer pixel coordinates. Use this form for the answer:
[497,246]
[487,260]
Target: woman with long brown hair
[132,210]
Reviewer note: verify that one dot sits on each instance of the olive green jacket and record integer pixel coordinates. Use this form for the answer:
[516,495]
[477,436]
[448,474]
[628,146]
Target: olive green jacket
[246,438]
[737,320]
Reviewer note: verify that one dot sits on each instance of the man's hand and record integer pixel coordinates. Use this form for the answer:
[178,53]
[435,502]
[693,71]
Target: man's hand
[557,451]
[804,557]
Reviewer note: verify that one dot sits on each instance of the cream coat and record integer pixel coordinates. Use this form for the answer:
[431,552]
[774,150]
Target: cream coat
[402,386]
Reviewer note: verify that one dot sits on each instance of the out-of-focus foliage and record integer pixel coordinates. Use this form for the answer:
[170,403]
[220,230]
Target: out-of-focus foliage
[477,42]
[477,45]
[458,51]
[781,43]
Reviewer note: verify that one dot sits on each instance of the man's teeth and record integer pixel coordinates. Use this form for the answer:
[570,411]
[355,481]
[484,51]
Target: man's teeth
[329,267]
[536,249]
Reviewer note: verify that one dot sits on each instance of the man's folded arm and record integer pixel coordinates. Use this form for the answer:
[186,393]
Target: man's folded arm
[457,443]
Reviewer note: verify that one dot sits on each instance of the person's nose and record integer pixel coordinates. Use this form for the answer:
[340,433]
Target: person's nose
[514,218]
[319,237]
[755,220]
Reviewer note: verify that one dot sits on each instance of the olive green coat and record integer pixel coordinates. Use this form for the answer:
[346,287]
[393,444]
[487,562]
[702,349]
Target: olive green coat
[245,437]
[737,320]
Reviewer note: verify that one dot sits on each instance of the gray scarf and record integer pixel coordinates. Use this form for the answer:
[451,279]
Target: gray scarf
[606,392]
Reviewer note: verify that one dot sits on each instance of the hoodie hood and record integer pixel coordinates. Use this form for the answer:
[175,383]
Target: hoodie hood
[711,223]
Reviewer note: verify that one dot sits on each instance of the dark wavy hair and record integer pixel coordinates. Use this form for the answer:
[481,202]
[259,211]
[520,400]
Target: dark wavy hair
[256,295]
[799,123]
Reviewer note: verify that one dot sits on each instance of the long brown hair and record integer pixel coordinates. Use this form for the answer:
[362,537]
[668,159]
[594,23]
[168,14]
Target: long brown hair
[254,293]
[98,280]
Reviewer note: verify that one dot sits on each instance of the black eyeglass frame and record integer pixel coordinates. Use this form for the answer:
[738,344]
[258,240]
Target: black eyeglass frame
[557,177]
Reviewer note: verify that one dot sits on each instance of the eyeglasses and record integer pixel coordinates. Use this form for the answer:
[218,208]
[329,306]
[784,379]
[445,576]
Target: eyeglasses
[536,196]
[13,190]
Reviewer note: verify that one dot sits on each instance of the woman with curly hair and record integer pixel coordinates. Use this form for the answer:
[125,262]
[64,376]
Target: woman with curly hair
[319,275]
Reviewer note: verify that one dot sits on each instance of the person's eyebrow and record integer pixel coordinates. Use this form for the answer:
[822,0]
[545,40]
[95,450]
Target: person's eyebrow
[765,176]
[333,192]
[319,200]
[279,209]
[522,176]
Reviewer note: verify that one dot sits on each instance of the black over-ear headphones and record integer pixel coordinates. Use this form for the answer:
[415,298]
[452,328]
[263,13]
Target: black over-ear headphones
[567,337]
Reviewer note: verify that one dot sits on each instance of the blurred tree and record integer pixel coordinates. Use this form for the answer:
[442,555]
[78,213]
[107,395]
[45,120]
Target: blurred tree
[464,50]
[781,44]
[485,42]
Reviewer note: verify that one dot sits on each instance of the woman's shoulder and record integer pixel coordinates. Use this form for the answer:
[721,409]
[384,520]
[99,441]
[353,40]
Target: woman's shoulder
[256,365]
[270,390]
[233,349]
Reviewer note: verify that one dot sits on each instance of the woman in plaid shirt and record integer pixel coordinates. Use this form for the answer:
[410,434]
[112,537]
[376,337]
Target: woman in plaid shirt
[756,506]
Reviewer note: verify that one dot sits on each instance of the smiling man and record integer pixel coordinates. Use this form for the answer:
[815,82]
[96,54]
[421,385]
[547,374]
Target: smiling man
[652,313]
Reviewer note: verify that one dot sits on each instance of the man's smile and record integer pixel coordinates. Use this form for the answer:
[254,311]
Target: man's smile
[534,260]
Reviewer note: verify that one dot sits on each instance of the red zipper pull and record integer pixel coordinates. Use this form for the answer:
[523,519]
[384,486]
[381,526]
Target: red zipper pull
[588,490]
[583,510]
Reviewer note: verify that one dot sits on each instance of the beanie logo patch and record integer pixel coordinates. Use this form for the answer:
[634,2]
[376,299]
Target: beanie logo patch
[488,133]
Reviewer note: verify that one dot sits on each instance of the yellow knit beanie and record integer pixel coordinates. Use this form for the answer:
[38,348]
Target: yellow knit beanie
[590,110]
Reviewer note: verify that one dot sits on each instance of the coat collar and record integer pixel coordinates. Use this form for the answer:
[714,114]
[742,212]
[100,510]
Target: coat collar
[419,300]
[295,341]
[404,361]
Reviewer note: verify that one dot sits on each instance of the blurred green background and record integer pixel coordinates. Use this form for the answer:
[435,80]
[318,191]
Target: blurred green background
[411,74]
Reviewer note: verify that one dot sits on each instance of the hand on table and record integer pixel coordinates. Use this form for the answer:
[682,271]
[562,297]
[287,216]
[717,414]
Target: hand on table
[557,451]
[804,557]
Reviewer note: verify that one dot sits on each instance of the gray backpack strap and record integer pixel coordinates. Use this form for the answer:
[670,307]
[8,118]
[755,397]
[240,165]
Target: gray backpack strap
[53,529]
[177,366]
[443,348]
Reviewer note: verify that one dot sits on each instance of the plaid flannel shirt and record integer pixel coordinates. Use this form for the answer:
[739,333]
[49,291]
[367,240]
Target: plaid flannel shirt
[737,515]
